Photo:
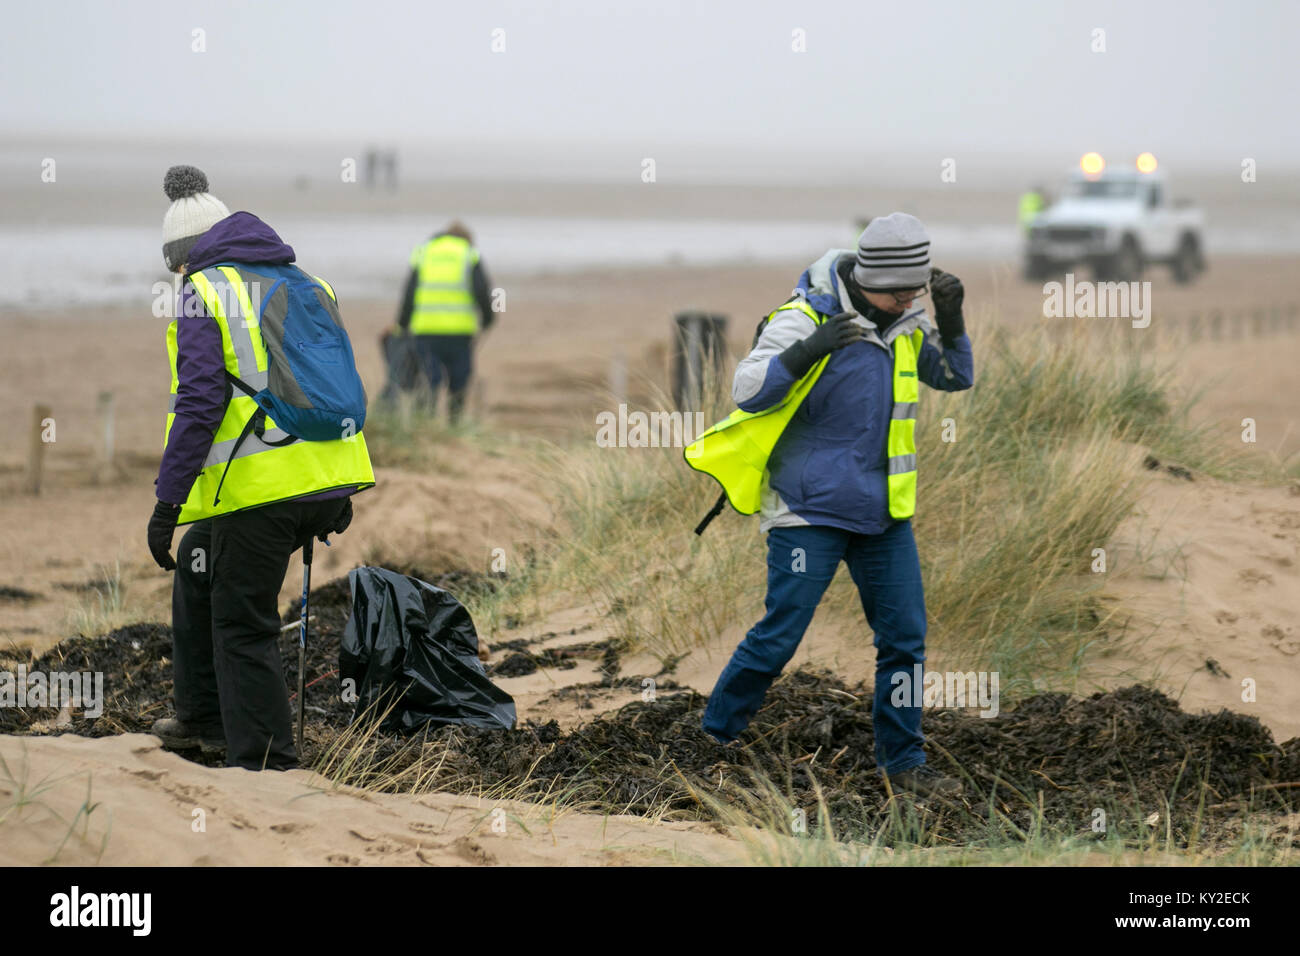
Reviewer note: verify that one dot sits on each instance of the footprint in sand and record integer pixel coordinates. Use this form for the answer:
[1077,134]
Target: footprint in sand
[1224,617]
[1253,576]
[342,859]
[472,851]
[1281,639]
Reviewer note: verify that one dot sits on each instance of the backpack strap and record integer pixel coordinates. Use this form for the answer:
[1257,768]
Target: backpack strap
[256,424]
[713,513]
[258,418]
[762,323]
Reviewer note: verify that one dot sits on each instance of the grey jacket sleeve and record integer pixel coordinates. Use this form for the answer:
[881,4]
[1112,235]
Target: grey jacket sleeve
[761,380]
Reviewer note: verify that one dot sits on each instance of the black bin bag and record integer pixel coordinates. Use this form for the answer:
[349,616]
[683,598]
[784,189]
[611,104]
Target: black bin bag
[403,363]
[414,643]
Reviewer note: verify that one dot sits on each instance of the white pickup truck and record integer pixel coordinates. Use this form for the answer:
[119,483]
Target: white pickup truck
[1117,221]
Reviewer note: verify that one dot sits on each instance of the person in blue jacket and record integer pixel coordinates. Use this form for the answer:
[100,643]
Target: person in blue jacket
[826,499]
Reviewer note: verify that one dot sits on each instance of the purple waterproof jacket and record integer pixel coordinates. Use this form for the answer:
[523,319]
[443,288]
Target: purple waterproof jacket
[202,390]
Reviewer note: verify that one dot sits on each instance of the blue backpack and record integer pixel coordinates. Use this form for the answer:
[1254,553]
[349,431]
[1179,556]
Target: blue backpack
[313,389]
[314,392]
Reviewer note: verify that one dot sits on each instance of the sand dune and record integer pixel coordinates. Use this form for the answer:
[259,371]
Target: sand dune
[149,807]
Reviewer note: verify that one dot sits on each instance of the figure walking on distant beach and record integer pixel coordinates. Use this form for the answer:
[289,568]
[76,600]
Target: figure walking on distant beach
[830,389]
[446,304]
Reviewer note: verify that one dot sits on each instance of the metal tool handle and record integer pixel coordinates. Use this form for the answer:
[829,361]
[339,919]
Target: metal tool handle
[302,641]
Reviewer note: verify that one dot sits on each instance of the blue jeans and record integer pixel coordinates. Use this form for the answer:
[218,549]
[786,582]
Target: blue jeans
[800,565]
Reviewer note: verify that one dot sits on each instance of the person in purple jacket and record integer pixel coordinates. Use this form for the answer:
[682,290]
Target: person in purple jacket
[827,495]
[229,692]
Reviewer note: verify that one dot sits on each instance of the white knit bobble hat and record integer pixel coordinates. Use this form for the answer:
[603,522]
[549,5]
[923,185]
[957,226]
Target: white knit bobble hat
[193,212]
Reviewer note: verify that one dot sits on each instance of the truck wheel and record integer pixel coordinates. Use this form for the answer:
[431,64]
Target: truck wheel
[1126,265]
[1187,261]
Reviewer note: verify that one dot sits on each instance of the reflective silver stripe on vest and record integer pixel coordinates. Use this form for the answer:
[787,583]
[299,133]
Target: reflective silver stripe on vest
[219,453]
[901,464]
[255,380]
[453,286]
[240,338]
[446,307]
[904,410]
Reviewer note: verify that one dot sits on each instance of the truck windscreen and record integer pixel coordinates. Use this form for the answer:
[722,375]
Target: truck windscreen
[1104,188]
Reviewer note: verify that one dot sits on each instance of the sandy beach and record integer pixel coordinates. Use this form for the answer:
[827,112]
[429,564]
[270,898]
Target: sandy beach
[547,369]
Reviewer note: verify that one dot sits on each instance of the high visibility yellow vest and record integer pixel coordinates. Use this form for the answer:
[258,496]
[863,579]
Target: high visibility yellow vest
[1031,204]
[736,450]
[261,471]
[444,296]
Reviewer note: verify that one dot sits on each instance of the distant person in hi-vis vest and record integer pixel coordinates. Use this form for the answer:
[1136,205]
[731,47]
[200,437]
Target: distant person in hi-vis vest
[252,331]
[824,446]
[446,304]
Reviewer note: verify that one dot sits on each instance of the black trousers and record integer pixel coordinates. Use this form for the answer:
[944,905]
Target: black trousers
[454,356]
[226,627]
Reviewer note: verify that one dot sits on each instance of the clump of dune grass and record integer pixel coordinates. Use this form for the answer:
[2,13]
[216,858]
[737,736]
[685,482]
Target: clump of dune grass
[103,605]
[775,831]
[407,433]
[19,795]
[624,539]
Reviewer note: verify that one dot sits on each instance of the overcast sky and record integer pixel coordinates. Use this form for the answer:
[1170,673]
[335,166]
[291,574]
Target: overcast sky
[1200,83]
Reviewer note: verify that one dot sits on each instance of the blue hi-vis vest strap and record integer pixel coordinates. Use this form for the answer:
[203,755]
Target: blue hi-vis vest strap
[263,468]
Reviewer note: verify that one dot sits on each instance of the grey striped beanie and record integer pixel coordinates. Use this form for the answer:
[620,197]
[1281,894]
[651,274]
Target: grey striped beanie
[893,253]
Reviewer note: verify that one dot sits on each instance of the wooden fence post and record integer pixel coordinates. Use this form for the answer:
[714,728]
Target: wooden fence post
[36,450]
[106,470]
[699,340]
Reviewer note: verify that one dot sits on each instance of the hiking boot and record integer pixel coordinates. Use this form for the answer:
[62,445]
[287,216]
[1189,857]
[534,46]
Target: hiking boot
[180,736]
[925,781]
[732,744]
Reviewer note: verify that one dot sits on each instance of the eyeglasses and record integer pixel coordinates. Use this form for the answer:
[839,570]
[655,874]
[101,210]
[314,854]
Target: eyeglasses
[907,295]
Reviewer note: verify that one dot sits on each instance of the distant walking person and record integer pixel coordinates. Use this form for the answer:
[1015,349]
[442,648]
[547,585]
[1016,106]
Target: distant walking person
[1032,204]
[249,323]
[447,302]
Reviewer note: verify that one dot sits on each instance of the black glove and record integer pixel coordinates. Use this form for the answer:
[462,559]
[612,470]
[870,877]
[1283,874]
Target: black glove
[947,292]
[340,524]
[161,528]
[835,333]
